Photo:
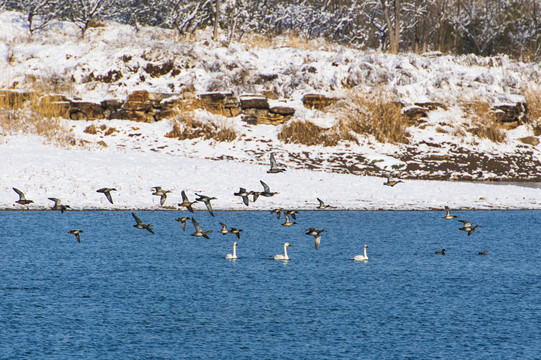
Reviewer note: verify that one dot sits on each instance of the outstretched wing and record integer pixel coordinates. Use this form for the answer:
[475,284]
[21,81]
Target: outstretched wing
[273,161]
[139,221]
[20,193]
[266,187]
[196,226]
[184,197]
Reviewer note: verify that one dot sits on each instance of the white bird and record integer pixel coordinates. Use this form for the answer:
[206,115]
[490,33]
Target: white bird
[234,255]
[361,257]
[284,256]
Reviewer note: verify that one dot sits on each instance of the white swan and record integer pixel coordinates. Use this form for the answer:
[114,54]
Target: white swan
[234,255]
[361,257]
[283,257]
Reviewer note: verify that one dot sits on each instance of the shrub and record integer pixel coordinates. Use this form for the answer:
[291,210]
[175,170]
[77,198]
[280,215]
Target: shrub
[185,127]
[483,121]
[373,113]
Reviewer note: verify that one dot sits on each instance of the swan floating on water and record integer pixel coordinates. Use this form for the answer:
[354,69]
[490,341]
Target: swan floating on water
[284,256]
[361,257]
[234,255]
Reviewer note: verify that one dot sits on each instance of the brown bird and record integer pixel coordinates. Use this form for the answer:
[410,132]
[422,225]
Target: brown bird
[183,221]
[186,203]
[141,225]
[22,199]
[58,205]
[76,233]
[107,193]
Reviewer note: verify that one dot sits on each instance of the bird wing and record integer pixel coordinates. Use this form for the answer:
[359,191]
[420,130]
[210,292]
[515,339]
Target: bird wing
[246,200]
[108,196]
[466,223]
[272,161]
[209,207]
[266,187]
[139,221]
[320,202]
[447,211]
[184,197]
[56,201]
[317,241]
[20,193]
[196,226]
[224,227]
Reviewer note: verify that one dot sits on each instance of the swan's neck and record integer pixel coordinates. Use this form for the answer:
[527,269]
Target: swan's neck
[365,252]
[234,251]
[285,252]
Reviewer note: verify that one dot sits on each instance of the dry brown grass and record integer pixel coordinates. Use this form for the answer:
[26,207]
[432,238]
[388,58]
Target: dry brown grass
[186,127]
[533,99]
[374,113]
[483,121]
[361,113]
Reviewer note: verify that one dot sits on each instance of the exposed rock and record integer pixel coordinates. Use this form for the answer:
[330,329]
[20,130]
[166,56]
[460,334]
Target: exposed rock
[511,113]
[318,101]
[223,103]
[529,140]
[414,112]
[282,110]
[254,102]
[83,110]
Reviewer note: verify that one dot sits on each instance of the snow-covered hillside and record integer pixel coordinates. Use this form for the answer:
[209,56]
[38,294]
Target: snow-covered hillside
[114,60]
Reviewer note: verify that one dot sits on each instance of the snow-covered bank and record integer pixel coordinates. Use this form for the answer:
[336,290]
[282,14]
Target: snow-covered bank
[43,171]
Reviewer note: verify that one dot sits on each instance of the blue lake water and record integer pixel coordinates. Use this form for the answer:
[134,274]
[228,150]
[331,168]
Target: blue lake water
[123,293]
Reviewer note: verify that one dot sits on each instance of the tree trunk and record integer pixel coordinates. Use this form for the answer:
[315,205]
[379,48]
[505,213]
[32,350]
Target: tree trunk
[216,19]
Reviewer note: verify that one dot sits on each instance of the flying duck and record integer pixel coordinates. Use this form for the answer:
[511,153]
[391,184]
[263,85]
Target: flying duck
[206,199]
[274,169]
[22,199]
[107,193]
[76,233]
[186,203]
[198,231]
[58,205]
[141,225]
[158,191]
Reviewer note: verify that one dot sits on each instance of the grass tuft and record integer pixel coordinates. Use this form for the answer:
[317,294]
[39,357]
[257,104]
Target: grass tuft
[185,128]
[484,124]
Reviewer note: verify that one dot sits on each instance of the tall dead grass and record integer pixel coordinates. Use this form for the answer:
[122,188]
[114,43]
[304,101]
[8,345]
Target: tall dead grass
[483,121]
[186,127]
[361,113]
[533,99]
[374,113]
[26,113]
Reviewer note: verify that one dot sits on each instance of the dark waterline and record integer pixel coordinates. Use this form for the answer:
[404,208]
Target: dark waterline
[125,293]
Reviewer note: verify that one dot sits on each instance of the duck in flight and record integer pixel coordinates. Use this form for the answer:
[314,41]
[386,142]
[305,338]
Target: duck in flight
[76,233]
[266,190]
[199,231]
[322,205]
[287,221]
[224,229]
[278,212]
[206,200]
[182,220]
[141,225]
[58,205]
[236,232]
[468,227]
[391,181]
[22,199]
[274,169]
[107,193]
[448,215]
[186,203]
[158,191]
[244,195]
[316,234]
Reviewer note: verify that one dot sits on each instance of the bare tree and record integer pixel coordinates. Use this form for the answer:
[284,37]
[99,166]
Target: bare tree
[85,13]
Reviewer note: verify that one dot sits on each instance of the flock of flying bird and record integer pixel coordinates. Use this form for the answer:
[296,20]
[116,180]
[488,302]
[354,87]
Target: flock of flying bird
[288,214]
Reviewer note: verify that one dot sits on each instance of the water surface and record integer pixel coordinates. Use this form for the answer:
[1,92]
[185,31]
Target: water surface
[125,293]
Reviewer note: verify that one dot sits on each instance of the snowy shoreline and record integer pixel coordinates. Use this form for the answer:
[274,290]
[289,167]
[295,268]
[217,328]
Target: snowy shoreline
[74,175]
